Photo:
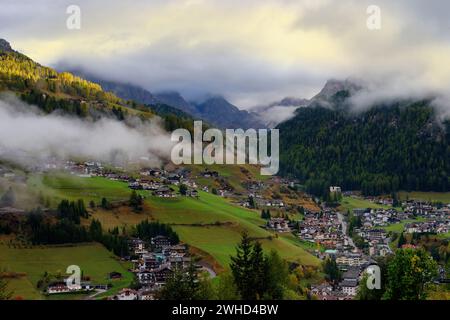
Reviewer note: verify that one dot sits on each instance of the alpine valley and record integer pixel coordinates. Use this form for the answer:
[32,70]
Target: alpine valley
[86,184]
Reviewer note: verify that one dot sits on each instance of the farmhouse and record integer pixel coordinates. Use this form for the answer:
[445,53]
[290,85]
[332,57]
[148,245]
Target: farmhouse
[61,287]
[164,192]
[126,295]
[278,224]
[114,275]
[209,174]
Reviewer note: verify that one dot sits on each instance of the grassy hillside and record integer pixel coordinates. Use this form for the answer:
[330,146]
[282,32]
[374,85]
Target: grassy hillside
[210,223]
[234,175]
[63,186]
[94,260]
[220,240]
[426,196]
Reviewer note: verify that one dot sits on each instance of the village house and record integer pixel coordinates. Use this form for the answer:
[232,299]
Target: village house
[192,193]
[351,259]
[154,172]
[349,287]
[137,246]
[380,250]
[350,280]
[209,174]
[148,294]
[151,261]
[278,225]
[126,295]
[165,192]
[145,278]
[174,179]
[162,274]
[59,287]
[321,291]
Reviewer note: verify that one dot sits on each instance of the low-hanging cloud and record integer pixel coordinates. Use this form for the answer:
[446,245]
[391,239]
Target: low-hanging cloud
[401,88]
[28,135]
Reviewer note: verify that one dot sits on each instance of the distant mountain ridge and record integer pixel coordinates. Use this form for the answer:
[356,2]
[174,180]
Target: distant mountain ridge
[215,110]
[174,99]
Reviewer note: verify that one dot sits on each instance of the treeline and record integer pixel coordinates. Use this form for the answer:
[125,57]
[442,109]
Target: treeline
[72,210]
[382,150]
[49,103]
[147,230]
[42,229]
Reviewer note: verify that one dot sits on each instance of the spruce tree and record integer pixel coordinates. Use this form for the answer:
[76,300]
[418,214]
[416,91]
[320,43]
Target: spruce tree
[401,240]
[241,267]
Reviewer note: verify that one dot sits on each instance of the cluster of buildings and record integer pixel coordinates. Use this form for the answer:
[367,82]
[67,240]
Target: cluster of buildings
[372,218]
[432,226]
[269,203]
[347,288]
[426,209]
[154,263]
[158,182]
[328,229]
[323,228]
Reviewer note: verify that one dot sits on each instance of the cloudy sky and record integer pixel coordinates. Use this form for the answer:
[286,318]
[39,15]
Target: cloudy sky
[250,51]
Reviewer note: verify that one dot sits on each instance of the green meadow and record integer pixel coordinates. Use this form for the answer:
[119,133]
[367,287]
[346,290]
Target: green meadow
[63,186]
[399,227]
[426,196]
[350,203]
[31,262]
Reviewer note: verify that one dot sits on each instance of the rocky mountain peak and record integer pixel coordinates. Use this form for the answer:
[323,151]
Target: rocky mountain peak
[5,46]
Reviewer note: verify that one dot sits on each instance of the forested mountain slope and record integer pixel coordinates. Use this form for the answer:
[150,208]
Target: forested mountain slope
[63,91]
[397,145]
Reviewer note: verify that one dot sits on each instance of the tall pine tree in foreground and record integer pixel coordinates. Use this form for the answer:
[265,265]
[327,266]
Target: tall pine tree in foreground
[242,268]
[257,276]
